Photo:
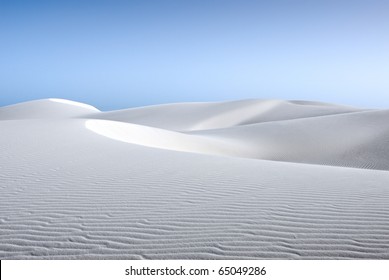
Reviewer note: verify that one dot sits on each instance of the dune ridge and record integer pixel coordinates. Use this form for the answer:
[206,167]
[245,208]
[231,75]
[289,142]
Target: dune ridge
[251,179]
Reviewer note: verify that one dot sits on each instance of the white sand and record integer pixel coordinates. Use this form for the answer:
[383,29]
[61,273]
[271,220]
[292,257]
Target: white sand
[243,179]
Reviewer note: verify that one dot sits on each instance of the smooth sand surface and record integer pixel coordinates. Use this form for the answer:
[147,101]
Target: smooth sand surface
[250,179]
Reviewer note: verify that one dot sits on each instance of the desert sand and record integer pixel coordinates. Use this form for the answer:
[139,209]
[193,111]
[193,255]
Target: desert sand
[248,179]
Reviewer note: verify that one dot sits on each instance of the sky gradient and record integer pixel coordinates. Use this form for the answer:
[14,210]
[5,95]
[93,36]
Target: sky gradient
[119,54]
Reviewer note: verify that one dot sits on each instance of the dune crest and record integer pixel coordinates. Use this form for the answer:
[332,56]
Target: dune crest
[73,103]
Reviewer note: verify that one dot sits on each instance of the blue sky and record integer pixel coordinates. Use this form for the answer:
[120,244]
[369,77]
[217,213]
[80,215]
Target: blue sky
[118,54]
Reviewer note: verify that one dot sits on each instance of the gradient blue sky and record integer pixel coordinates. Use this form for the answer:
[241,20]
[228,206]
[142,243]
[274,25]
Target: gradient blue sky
[118,54]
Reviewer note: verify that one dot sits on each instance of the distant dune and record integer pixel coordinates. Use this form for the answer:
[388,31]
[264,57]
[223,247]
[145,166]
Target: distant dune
[248,179]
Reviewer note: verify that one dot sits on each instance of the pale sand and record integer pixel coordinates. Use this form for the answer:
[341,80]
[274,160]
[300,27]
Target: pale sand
[232,180]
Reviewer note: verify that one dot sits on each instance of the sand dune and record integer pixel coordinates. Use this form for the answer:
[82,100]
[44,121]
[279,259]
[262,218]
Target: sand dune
[201,116]
[352,139]
[161,138]
[201,181]
[46,108]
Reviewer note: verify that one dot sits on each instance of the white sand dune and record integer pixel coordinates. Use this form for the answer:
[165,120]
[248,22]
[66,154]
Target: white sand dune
[201,116]
[359,139]
[46,108]
[163,139]
[198,181]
